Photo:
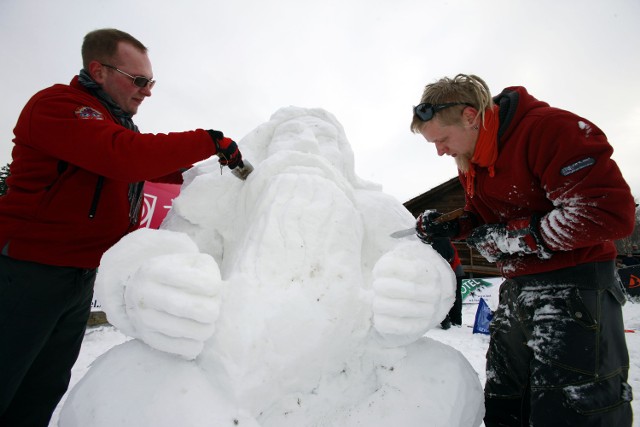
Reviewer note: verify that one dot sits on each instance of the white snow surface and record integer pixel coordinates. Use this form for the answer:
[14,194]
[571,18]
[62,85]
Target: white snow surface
[472,346]
[281,301]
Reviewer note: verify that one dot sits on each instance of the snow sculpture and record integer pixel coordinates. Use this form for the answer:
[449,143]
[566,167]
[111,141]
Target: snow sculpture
[281,300]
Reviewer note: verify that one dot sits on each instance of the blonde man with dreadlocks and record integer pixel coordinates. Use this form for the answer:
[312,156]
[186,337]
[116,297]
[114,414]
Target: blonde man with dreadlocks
[544,200]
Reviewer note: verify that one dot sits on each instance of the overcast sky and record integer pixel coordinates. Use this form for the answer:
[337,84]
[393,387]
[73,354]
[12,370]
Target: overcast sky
[230,64]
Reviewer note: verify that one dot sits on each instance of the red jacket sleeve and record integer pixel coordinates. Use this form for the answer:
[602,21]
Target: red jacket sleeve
[103,146]
[591,200]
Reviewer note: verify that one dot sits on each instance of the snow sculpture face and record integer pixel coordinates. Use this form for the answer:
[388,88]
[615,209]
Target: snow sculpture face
[310,135]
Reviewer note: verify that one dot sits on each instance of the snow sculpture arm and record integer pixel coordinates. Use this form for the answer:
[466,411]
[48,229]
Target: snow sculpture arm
[156,286]
[413,291]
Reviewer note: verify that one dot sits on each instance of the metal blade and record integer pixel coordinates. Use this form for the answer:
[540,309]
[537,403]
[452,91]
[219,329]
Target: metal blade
[445,217]
[243,171]
[403,233]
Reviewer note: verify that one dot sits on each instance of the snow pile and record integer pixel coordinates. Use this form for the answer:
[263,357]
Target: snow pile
[281,300]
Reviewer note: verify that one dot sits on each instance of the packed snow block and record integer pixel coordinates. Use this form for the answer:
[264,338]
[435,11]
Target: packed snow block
[484,315]
[427,362]
[278,301]
[139,386]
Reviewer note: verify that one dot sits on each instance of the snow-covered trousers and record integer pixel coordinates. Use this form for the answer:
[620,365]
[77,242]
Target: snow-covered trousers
[43,316]
[557,354]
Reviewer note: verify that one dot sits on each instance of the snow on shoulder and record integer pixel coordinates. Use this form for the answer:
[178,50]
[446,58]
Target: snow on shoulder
[280,300]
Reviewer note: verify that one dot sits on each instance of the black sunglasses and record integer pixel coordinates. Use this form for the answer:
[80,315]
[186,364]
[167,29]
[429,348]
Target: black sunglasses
[426,111]
[139,81]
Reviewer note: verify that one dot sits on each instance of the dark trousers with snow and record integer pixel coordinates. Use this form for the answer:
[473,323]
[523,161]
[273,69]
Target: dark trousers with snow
[43,316]
[557,354]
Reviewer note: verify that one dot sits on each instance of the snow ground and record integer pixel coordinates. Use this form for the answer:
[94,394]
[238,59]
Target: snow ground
[474,346]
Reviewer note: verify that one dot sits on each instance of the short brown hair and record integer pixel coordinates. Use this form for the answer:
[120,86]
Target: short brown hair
[102,45]
[465,88]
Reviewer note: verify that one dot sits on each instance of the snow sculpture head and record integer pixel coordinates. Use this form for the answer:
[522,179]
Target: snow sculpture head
[311,131]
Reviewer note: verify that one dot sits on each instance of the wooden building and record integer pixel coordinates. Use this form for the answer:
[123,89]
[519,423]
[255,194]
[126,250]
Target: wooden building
[444,198]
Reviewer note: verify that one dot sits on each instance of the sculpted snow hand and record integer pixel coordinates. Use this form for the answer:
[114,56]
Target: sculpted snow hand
[175,309]
[315,317]
[406,303]
[169,296]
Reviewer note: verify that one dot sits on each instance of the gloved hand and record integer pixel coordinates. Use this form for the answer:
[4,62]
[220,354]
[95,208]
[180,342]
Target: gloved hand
[428,228]
[444,247]
[517,237]
[226,149]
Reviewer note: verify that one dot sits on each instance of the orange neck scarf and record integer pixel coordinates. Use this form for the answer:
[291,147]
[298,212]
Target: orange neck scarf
[486,151]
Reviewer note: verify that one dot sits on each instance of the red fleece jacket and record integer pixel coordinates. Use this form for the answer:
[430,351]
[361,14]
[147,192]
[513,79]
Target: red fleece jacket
[65,139]
[558,165]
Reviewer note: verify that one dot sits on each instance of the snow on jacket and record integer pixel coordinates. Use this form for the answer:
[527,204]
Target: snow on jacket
[555,164]
[65,139]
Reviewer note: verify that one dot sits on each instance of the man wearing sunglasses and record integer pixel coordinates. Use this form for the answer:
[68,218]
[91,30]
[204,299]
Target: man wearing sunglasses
[76,188]
[544,200]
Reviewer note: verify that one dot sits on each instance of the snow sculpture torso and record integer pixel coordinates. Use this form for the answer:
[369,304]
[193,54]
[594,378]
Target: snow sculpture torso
[278,301]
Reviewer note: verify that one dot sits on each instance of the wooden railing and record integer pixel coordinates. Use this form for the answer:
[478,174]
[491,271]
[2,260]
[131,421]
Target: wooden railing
[473,263]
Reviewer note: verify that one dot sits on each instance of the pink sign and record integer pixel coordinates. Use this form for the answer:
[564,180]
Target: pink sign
[157,202]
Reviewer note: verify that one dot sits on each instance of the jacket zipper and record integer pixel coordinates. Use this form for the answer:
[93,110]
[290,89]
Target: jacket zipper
[96,197]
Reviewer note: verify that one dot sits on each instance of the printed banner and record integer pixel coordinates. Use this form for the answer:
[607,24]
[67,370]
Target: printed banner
[157,202]
[484,315]
[475,289]
[630,277]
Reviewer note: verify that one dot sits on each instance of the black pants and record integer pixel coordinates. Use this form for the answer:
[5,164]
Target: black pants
[557,354]
[455,314]
[43,316]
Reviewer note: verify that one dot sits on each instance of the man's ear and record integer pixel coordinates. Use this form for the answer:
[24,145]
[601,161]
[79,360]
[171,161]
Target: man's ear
[97,71]
[470,116]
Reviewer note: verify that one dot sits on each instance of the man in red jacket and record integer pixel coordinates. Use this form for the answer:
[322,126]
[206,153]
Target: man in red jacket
[544,200]
[75,189]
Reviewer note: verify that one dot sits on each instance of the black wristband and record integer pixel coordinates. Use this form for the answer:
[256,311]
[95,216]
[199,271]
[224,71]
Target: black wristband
[216,136]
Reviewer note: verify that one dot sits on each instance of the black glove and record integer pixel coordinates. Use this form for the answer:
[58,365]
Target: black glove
[427,226]
[518,237]
[226,149]
[443,246]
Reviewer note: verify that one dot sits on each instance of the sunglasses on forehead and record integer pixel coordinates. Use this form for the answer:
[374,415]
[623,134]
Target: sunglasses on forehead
[139,81]
[426,111]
